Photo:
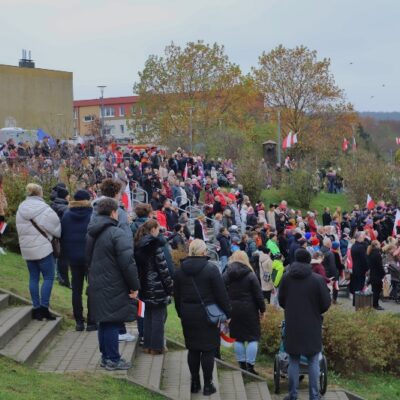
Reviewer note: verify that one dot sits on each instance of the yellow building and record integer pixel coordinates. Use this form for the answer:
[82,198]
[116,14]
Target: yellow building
[33,98]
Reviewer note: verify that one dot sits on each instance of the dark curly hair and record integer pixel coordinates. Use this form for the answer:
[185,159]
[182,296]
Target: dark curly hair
[110,187]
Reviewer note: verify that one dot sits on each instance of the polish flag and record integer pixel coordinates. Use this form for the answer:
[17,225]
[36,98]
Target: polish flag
[185,172]
[226,340]
[354,144]
[349,260]
[398,140]
[345,144]
[141,308]
[290,140]
[396,223]
[370,203]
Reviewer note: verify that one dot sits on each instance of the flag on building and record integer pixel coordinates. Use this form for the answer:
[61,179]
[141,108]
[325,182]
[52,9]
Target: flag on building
[354,144]
[396,223]
[398,140]
[290,140]
[370,203]
[141,308]
[345,144]
[186,172]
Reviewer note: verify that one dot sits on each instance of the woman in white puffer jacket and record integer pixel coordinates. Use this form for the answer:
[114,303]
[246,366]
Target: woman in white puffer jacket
[36,249]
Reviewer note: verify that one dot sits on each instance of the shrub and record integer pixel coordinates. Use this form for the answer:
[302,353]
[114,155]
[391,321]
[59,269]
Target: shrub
[364,341]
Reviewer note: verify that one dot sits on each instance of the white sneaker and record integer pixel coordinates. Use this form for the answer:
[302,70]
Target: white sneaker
[2,252]
[126,337]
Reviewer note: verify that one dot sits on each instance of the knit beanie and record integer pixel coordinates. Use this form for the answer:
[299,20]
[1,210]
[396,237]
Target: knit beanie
[303,256]
[81,195]
[62,193]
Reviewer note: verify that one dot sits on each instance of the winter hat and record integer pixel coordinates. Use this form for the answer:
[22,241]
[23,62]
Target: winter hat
[335,245]
[302,255]
[308,235]
[81,195]
[62,193]
[314,241]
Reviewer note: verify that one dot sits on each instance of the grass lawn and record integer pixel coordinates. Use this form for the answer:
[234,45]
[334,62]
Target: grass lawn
[18,382]
[321,201]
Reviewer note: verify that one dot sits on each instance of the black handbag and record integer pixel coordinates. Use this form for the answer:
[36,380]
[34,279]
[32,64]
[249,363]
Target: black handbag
[215,316]
[55,242]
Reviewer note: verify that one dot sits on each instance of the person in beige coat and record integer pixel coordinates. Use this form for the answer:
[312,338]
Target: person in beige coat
[265,263]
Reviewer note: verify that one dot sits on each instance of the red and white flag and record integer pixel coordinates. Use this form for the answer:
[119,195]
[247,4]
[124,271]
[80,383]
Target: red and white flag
[290,140]
[370,203]
[186,172]
[398,140]
[141,308]
[349,260]
[226,340]
[3,227]
[396,223]
[345,144]
[354,144]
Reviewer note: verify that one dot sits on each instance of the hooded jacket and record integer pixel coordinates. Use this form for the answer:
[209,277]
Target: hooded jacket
[59,206]
[155,280]
[112,271]
[33,245]
[304,296]
[247,302]
[329,263]
[74,224]
[198,333]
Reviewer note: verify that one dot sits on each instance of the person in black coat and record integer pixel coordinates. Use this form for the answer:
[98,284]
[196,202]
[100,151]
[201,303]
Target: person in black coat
[294,246]
[201,338]
[326,217]
[225,251]
[177,240]
[74,224]
[113,280]
[376,271]
[329,264]
[156,284]
[304,296]
[248,305]
[360,264]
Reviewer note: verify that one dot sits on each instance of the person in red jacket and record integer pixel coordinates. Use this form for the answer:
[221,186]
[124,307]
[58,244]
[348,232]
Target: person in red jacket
[161,217]
[311,222]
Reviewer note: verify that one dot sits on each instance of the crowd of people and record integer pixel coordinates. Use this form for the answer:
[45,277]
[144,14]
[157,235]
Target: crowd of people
[126,248]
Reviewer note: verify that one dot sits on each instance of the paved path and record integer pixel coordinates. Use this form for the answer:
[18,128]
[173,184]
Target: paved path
[388,305]
[303,395]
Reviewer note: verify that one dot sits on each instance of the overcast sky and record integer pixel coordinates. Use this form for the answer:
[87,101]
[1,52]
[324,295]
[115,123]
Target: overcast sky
[107,41]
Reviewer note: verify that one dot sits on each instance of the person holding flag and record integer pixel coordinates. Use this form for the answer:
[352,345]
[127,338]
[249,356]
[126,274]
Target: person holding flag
[247,307]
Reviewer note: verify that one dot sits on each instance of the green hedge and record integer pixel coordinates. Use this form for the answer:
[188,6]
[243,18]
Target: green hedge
[362,341]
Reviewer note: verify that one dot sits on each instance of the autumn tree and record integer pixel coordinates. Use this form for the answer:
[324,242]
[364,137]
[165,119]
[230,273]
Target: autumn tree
[192,89]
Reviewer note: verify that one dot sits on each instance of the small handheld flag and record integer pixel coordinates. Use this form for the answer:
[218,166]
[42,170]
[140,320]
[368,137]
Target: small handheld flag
[345,144]
[370,203]
[141,308]
[226,340]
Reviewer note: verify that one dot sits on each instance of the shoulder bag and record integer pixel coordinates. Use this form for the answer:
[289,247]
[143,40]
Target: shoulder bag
[55,242]
[215,316]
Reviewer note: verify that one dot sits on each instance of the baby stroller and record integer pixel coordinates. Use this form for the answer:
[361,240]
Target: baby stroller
[281,366]
[394,271]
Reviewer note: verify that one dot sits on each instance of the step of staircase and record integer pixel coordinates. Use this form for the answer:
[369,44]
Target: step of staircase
[232,385]
[4,299]
[12,320]
[147,369]
[28,343]
[257,391]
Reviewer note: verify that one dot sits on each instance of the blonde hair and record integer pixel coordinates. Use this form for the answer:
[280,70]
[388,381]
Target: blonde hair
[33,189]
[374,245]
[197,248]
[240,257]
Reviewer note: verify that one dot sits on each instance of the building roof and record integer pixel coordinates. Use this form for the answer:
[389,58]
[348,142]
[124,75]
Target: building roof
[106,101]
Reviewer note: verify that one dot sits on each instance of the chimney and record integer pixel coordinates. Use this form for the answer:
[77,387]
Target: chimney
[25,62]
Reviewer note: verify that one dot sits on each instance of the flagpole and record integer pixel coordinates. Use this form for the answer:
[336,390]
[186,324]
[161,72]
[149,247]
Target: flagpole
[279,139]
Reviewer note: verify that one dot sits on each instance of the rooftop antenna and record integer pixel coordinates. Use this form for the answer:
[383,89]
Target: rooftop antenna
[26,62]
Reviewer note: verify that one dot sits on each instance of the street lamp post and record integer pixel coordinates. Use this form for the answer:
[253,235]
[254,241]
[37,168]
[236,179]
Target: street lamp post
[102,87]
[279,139]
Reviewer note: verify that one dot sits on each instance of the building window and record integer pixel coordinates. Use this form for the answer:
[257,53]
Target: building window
[108,111]
[121,111]
[122,127]
[88,118]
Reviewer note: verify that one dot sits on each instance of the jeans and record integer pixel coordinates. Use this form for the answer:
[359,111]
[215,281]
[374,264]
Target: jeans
[223,261]
[313,376]
[154,327]
[206,358]
[108,340]
[78,280]
[45,266]
[62,270]
[246,353]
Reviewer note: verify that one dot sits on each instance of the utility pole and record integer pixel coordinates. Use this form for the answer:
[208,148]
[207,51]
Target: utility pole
[102,87]
[279,140]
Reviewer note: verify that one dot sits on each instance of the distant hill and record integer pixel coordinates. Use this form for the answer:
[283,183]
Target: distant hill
[381,116]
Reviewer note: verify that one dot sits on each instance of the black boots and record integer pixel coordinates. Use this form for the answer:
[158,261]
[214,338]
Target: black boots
[46,314]
[250,368]
[36,314]
[195,386]
[209,389]
[243,365]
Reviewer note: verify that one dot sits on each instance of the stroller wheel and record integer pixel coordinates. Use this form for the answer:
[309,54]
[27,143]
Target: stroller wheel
[277,374]
[323,376]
